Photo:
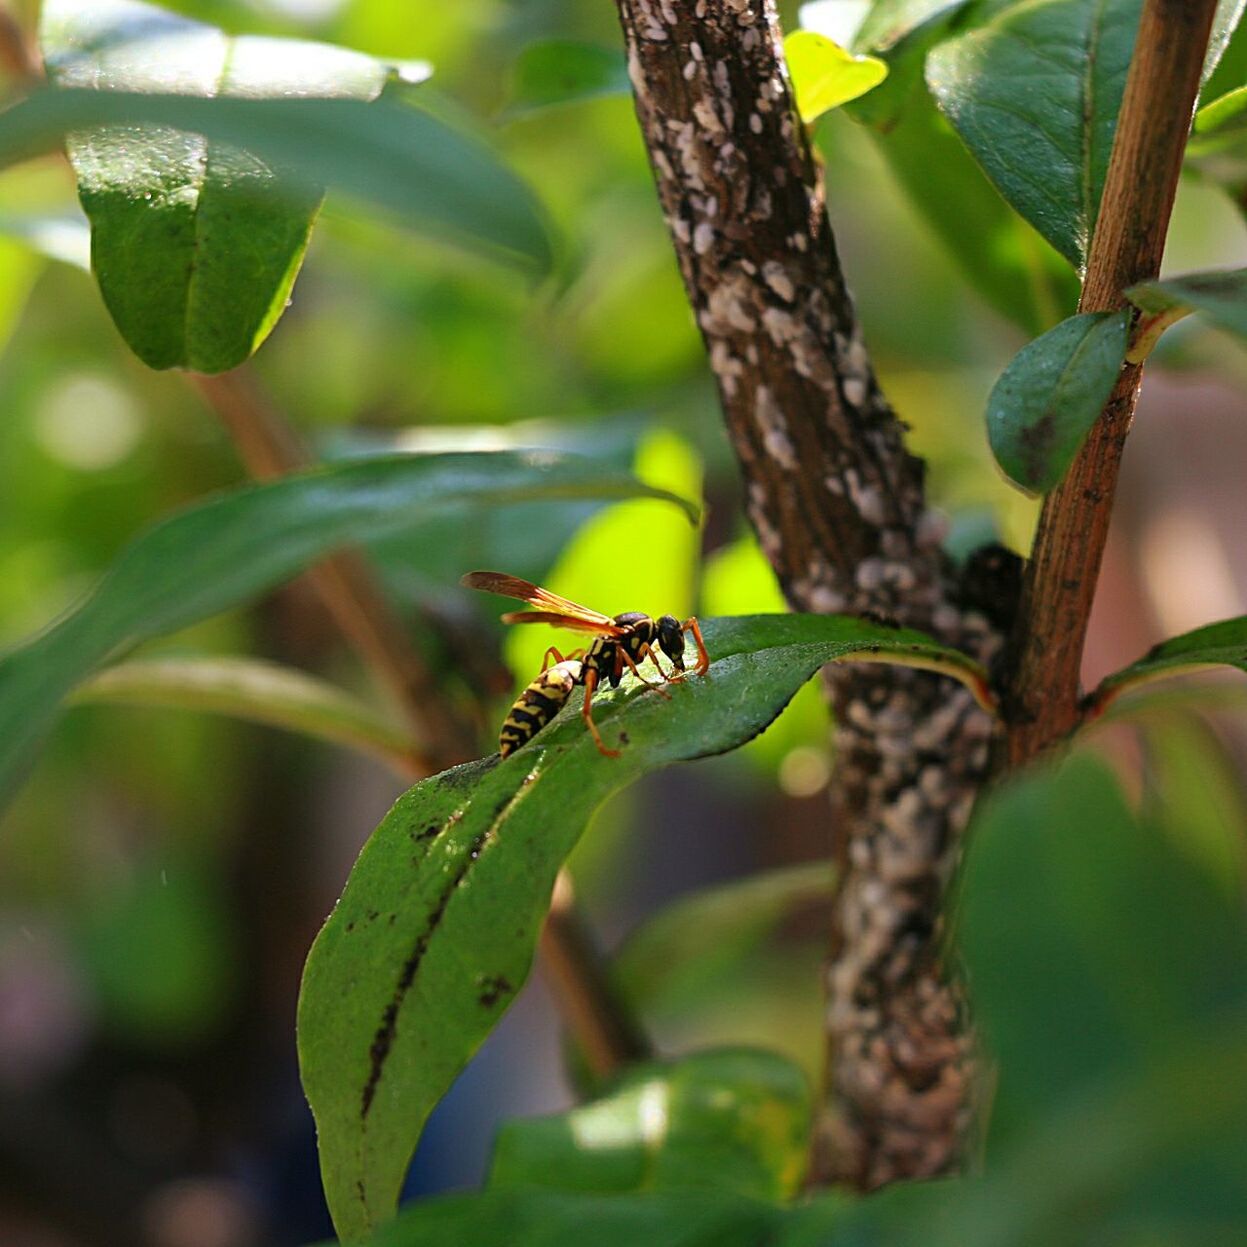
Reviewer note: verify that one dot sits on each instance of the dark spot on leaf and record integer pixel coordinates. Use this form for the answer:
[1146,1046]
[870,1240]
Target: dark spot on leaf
[350,926]
[427,834]
[493,987]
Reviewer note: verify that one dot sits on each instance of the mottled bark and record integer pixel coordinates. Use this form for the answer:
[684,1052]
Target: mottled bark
[839,509]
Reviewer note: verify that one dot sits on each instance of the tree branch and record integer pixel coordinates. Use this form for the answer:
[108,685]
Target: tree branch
[1129,240]
[838,507]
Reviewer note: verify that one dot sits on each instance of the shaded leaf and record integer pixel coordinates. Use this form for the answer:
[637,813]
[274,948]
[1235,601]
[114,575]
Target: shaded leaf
[196,245]
[1220,296]
[1094,944]
[891,21]
[439,180]
[1046,401]
[824,75]
[735,1120]
[564,71]
[230,549]
[698,936]
[249,688]
[1034,95]
[436,927]
[1221,644]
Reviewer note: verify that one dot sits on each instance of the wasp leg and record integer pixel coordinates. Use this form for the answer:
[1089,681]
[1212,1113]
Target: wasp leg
[586,713]
[667,678]
[703,658]
[552,652]
[658,688]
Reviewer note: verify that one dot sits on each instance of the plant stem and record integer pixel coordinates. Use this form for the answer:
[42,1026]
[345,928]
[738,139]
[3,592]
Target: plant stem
[590,1006]
[1129,240]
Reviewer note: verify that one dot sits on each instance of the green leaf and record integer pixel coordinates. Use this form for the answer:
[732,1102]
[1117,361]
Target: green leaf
[62,237]
[824,75]
[564,71]
[1220,296]
[196,245]
[735,1120]
[1046,401]
[1094,944]
[1227,113]
[699,936]
[437,179]
[889,22]
[248,688]
[1034,95]
[556,1218]
[1216,645]
[436,927]
[228,550]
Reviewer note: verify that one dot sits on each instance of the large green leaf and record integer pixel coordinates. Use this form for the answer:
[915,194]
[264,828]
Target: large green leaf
[1094,944]
[1221,644]
[436,927]
[196,245]
[1046,401]
[435,178]
[735,1120]
[224,552]
[1035,95]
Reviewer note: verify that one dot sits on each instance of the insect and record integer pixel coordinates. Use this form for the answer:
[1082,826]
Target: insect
[624,641]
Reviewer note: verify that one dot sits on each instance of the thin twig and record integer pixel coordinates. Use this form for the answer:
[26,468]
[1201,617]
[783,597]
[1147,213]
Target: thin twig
[1129,240]
[589,1004]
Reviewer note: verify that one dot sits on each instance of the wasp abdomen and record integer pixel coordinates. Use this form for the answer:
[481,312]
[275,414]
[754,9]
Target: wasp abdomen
[538,704]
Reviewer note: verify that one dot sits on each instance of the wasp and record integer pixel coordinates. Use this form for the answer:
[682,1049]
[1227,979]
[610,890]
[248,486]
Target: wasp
[622,642]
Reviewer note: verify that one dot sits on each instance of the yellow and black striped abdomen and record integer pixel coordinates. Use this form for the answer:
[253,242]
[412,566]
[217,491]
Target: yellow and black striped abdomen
[538,704]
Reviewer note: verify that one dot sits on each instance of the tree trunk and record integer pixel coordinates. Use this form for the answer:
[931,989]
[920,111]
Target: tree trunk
[838,507]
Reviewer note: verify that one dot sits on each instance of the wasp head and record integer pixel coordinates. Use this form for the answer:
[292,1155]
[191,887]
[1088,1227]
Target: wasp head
[671,640]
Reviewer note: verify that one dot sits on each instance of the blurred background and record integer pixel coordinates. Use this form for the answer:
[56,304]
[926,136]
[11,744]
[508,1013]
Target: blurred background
[163,872]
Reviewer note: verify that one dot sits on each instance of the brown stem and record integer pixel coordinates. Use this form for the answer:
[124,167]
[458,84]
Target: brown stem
[1129,240]
[587,1000]
[839,510]
[18,54]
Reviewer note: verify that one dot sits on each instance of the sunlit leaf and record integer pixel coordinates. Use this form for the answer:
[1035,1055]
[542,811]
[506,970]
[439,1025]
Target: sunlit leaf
[436,927]
[824,75]
[735,1120]
[1046,401]
[230,549]
[1034,95]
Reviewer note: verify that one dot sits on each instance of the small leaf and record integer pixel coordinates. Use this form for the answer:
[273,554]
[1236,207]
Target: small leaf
[436,928]
[735,1120]
[824,75]
[1228,112]
[1034,94]
[1221,296]
[224,552]
[564,71]
[1217,645]
[1045,402]
[248,688]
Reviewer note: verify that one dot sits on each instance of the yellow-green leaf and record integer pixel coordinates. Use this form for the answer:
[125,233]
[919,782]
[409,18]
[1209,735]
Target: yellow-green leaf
[825,76]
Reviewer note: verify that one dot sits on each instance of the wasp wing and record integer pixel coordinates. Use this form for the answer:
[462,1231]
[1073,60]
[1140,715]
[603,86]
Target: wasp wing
[575,622]
[535,595]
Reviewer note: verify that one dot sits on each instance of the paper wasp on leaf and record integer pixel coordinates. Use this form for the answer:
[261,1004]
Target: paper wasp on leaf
[625,641]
